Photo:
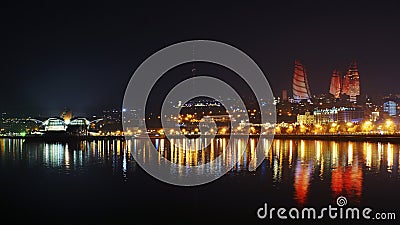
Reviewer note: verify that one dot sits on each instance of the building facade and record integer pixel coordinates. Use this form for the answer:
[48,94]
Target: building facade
[339,115]
[390,108]
[306,119]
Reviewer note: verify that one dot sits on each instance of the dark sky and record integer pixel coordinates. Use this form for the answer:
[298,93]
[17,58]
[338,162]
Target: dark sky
[56,56]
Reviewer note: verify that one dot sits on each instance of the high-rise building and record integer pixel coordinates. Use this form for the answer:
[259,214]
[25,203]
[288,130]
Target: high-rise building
[336,84]
[351,82]
[301,89]
[390,108]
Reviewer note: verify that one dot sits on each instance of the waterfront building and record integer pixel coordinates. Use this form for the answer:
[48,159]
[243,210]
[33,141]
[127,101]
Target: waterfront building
[339,115]
[53,125]
[390,108]
[78,126]
[306,119]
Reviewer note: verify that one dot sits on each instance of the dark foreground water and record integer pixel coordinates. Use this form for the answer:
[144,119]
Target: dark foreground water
[99,182]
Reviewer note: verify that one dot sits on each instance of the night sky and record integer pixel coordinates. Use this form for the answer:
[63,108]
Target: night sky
[57,56]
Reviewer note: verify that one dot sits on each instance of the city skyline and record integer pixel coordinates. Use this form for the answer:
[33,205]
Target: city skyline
[83,59]
[200,112]
[162,87]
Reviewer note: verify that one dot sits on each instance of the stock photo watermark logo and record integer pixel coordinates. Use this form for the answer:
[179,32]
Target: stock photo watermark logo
[154,67]
[329,212]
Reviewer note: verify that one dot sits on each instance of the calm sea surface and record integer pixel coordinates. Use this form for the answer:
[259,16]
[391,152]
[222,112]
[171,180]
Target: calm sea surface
[99,182]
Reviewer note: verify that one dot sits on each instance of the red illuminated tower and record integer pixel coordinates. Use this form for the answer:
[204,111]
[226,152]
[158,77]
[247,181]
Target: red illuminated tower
[351,82]
[336,84]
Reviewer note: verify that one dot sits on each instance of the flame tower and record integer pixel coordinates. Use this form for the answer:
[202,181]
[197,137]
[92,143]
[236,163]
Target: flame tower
[336,84]
[351,82]
[301,90]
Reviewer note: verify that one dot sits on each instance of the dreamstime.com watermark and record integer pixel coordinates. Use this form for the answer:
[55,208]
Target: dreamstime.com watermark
[329,212]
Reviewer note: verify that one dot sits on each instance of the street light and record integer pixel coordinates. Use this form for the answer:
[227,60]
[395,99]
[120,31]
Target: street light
[252,129]
[389,126]
[367,126]
[388,123]
[223,130]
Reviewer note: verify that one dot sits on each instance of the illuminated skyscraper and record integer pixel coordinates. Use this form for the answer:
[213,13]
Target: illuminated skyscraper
[351,82]
[301,90]
[336,84]
[390,108]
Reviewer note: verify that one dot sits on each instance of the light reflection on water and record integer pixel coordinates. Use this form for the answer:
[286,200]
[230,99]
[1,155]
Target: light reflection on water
[340,165]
